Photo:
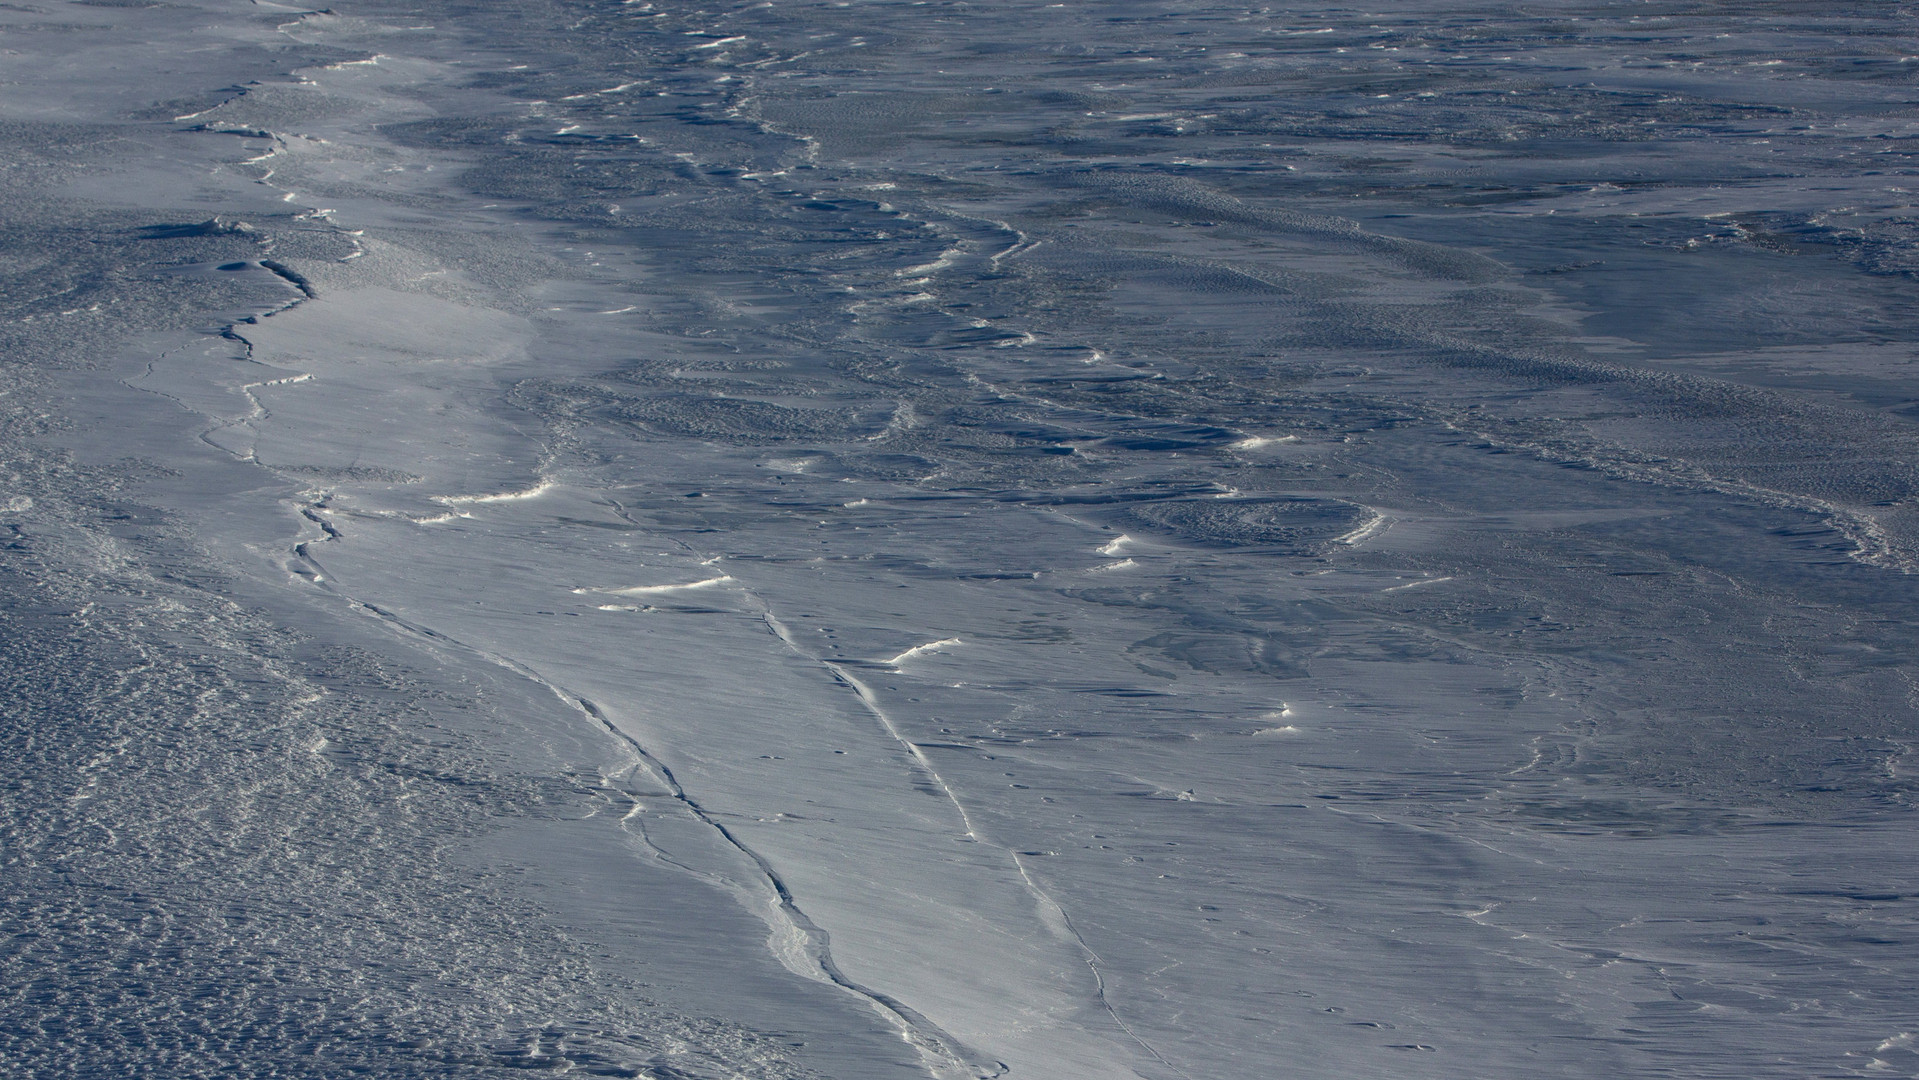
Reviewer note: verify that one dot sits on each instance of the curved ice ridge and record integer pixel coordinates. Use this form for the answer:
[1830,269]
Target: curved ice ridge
[943,1056]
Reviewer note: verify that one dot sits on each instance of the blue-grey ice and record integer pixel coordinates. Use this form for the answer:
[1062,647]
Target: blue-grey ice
[959,539]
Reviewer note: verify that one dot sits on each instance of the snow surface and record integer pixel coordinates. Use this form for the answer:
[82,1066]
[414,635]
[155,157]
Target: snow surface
[958,539]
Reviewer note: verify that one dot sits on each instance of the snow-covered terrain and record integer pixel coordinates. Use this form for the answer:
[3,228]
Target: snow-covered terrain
[958,539]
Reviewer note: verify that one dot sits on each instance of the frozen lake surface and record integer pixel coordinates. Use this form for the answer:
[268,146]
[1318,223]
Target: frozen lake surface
[959,539]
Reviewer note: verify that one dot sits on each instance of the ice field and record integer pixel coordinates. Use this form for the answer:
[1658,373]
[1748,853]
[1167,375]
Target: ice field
[959,539]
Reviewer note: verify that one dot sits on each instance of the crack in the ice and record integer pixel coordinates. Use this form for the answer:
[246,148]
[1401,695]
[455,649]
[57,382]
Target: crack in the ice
[927,1036]
[1062,922]
[1048,905]
[943,1055]
[292,277]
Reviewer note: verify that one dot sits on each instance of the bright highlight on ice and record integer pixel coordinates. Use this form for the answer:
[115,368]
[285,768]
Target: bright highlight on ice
[921,650]
[652,590]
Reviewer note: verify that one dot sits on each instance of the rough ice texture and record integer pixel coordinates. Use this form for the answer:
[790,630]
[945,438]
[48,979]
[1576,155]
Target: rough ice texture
[954,539]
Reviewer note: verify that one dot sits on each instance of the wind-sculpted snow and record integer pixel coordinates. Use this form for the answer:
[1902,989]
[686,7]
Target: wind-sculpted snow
[958,539]
[1294,526]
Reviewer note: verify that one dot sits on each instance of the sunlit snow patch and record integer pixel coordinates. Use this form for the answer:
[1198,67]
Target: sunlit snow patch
[1417,584]
[655,590]
[946,259]
[921,650]
[1282,713]
[1370,529]
[533,492]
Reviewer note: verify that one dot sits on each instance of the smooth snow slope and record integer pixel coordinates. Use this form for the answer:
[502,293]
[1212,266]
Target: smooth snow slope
[960,539]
